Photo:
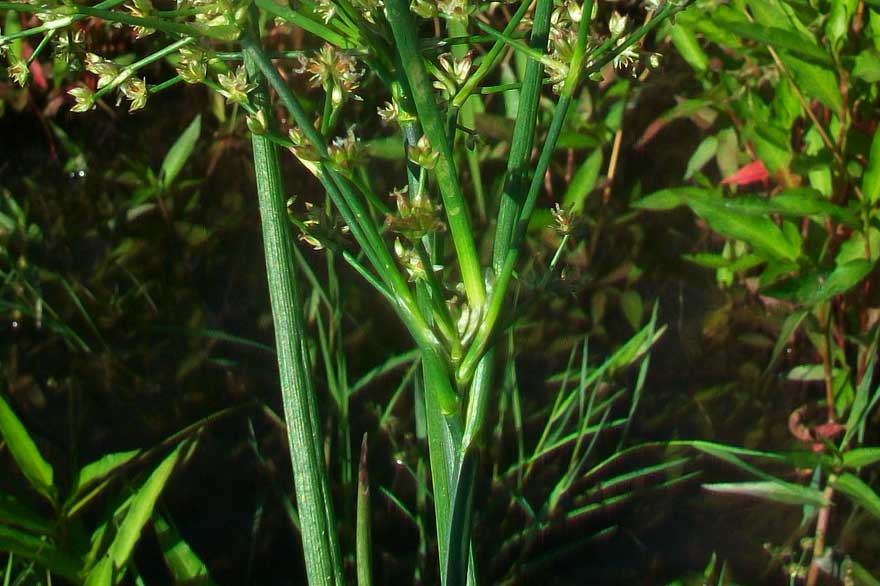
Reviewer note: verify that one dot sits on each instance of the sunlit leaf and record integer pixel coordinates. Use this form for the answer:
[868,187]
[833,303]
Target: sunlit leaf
[25,452]
[773,490]
[860,493]
[180,152]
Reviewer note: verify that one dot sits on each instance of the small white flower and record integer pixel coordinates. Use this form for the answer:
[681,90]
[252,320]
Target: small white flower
[85,99]
[617,24]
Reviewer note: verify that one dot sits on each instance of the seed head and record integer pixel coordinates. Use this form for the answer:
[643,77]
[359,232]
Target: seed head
[106,70]
[334,71]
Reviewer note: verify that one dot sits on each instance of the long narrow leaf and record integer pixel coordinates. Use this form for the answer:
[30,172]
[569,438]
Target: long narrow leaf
[25,452]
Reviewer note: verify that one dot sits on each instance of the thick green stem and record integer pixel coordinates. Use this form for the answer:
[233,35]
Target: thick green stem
[314,503]
[404,29]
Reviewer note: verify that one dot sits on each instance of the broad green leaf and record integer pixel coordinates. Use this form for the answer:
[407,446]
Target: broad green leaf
[729,217]
[704,153]
[772,145]
[778,491]
[803,45]
[861,457]
[179,152]
[778,13]
[867,66]
[860,493]
[760,232]
[141,509]
[25,452]
[185,566]
[856,247]
[842,279]
[687,45]
[815,81]
[101,468]
[667,199]
[837,25]
[871,178]
[817,286]
[583,182]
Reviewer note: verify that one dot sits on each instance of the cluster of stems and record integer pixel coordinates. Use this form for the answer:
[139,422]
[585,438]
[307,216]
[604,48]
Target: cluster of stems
[455,340]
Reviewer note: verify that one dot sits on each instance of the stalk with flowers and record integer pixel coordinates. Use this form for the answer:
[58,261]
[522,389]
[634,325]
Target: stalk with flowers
[422,252]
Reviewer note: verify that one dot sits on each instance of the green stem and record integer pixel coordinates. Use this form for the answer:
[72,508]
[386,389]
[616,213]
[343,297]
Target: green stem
[523,137]
[295,18]
[59,23]
[130,70]
[314,505]
[404,30]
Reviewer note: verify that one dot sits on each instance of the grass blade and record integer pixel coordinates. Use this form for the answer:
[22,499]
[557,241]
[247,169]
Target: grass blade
[364,542]
[35,468]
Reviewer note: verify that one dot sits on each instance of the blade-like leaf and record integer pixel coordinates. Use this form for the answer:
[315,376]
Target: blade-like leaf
[860,493]
[99,469]
[179,152]
[861,457]
[774,490]
[185,566]
[25,452]
[141,509]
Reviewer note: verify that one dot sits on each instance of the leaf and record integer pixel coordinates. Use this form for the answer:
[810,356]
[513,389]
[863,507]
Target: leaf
[867,66]
[860,493]
[141,509]
[25,452]
[861,457]
[871,178]
[843,278]
[718,261]
[817,286]
[777,491]
[99,469]
[704,153]
[583,182]
[101,574]
[816,81]
[857,248]
[687,45]
[633,308]
[185,566]
[800,44]
[179,152]
[754,172]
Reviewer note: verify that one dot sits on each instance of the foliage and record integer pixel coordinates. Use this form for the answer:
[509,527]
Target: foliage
[790,112]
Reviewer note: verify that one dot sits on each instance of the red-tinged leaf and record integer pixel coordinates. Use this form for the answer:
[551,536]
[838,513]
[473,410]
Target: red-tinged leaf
[829,430]
[754,172]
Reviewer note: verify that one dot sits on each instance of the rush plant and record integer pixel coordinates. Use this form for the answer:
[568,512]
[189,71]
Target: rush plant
[437,64]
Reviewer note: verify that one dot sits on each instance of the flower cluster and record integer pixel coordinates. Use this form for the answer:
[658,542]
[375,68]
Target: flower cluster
[454,72]
[415,217]
[142,9]
[234,86]
[345,152]
[334,71]
[193,64]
